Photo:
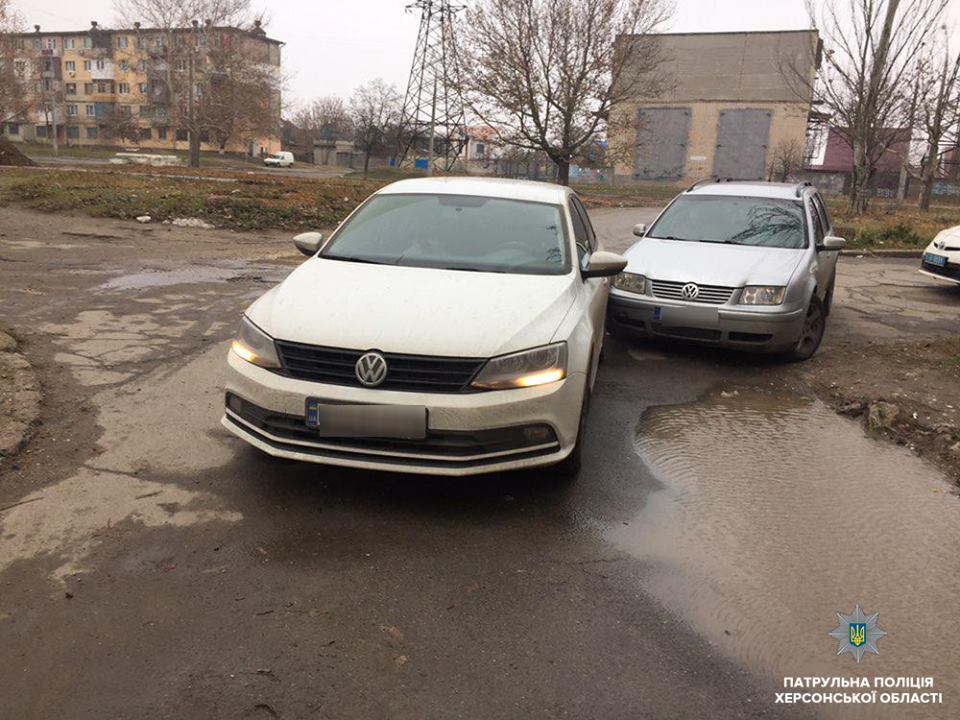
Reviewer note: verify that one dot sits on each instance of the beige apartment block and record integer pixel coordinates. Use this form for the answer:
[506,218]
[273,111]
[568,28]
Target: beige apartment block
[87,84]
[725,104]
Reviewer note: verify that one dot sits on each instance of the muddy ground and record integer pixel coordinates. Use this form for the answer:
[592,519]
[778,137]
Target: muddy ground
[151,565]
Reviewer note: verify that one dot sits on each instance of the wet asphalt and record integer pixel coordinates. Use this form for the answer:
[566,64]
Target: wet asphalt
[163,569]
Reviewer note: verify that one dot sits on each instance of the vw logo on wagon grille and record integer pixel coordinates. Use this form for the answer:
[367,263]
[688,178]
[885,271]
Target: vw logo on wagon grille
[371,369]
[689,291]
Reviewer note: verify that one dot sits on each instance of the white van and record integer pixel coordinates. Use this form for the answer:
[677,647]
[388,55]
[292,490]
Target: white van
[280,159]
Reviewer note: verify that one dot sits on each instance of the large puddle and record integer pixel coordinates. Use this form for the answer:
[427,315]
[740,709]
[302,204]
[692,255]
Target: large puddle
[775,515]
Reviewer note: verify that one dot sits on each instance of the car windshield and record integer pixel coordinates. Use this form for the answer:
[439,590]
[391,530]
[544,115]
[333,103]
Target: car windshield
[455,232]
[767,222]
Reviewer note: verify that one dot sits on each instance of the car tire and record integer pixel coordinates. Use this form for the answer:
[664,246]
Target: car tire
[811,335]
[569,467]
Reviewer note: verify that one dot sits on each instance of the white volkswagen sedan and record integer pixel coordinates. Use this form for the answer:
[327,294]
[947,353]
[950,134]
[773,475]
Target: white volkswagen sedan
[449,326]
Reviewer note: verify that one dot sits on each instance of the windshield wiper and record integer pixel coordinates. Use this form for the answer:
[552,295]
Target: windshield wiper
[342,258]
[670,237]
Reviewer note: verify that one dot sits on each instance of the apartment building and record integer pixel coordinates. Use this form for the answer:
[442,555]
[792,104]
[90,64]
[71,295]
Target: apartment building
[112,87]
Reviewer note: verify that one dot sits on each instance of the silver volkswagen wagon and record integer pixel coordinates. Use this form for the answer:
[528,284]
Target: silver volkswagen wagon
[749,265]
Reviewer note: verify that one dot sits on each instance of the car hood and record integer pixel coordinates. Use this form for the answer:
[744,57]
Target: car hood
[712,263]
[950,238]
[418,311]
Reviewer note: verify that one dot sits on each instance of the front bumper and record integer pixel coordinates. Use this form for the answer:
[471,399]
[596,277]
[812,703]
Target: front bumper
[949,272]
[467,433]
[760,329]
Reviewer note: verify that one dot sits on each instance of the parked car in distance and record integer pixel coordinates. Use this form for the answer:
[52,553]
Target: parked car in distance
[749,265]
[449,326]
[280,159]
[941,259]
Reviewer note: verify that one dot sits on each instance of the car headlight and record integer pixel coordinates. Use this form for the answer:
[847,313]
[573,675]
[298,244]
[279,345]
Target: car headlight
[762,295]
[631,282]
[255,346]
[524,369]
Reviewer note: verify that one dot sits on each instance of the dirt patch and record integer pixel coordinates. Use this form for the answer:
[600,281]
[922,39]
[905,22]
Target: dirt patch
[10,155]
[19,399]
[908,392]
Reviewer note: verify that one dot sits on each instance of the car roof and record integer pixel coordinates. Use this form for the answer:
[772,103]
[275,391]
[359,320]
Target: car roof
[528,190]
[784,191]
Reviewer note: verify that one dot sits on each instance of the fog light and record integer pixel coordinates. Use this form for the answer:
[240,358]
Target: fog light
[536,434]
[235,404]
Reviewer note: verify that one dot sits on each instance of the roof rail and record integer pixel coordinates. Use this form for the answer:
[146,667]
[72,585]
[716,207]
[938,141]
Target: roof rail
[802,185]
[702,181]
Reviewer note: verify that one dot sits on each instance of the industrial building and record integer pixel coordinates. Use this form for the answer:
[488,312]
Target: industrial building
[109,87]
[725,102]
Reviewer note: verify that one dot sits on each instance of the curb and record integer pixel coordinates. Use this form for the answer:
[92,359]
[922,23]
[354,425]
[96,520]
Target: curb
[20,405]
[892,253]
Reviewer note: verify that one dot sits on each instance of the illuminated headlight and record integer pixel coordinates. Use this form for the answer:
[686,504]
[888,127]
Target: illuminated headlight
[631,282]
[255,346]
[762,295]
[524,369]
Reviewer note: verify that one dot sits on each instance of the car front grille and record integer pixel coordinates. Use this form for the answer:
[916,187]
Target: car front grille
[411,373]
[709,294]
[951,270]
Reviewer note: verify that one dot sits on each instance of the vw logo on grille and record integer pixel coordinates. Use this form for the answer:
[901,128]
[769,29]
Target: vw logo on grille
[940,244]
[371,369]
[689,291]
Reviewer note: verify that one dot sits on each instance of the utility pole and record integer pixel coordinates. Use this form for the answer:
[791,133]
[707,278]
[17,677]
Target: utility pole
[433,128]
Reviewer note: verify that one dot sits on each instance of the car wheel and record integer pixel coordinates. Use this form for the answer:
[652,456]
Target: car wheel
[812,333]
[570,466]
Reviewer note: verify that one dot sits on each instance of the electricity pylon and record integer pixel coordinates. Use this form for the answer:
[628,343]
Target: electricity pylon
[433,121]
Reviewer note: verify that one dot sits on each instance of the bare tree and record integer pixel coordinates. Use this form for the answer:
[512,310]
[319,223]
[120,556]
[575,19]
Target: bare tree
[871,46]
[207,75]
[13,70]
[937,111]
[374,114]
[545,73]
[326,117]
[786,158]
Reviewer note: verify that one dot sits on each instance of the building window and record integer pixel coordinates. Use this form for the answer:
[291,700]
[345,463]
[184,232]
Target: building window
[36,43]
[180,64]
[70,88]
[69,43]
[101,64]
[125,110]
[104,86]
[124,66]
[41,131]
[71,65]
[142,66]
[140,41]
[20,66]
[161,133]
[73,132]
[122,41]
[87,65]
[182,135]
[90,110]
[86,43]
[142,88]
[48,66]
[145,133]
[91,133]
[158,41]
[13,129]
[123,88]
[51,43]
[71,110]
[88,88]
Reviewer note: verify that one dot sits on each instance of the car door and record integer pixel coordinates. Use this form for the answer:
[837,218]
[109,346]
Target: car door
[596,289]
[828,259]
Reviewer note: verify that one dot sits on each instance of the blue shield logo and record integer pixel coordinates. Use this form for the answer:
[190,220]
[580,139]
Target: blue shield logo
[858,634]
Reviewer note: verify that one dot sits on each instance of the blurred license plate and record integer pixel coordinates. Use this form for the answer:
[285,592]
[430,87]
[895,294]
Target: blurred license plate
[384,421]
[938,260]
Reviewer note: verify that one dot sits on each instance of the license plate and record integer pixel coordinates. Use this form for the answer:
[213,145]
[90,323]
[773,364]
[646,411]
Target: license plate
[407,422]
[938,260]
[657,313]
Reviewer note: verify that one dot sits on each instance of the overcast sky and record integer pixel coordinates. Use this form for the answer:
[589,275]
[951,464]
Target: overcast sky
[334,45]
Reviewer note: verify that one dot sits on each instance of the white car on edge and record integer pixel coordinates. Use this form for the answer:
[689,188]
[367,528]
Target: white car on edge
[449,326]
[941,259]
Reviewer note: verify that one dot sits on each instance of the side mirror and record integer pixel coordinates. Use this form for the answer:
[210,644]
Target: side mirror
[640,229]
[604,264]
[831,242]
[309,242]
